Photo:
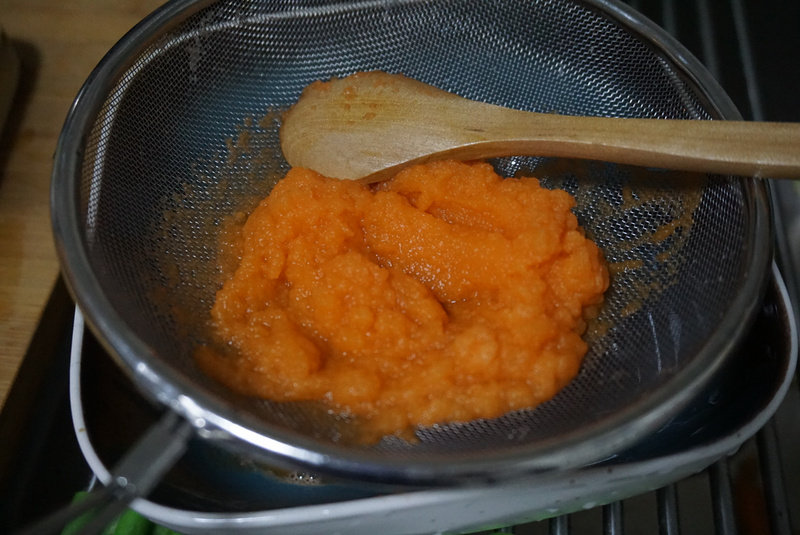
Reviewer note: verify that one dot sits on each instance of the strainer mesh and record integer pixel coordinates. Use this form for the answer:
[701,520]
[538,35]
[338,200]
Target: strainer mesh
[187,139]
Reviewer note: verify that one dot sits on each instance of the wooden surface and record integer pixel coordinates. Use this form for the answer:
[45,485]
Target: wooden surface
[57,43]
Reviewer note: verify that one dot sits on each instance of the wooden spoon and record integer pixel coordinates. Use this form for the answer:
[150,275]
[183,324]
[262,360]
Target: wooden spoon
[370,125]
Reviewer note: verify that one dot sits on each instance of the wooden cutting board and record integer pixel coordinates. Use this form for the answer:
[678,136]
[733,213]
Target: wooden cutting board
[50,48]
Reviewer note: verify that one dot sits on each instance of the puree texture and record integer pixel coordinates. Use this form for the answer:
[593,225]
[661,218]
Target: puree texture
[443,295]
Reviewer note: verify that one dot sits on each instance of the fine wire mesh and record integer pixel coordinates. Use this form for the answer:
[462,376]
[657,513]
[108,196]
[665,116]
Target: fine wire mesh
[188,138]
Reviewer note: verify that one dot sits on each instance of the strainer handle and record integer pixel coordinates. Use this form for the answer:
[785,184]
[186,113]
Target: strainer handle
[135,475]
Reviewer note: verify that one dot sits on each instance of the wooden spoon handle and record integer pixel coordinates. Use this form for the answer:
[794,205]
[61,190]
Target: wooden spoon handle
[727,147]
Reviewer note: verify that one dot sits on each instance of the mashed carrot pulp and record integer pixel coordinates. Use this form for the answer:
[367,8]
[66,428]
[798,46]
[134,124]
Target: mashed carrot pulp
[443,295]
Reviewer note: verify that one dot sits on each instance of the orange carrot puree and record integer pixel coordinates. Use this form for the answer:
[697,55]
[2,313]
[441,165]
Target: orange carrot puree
[443,295]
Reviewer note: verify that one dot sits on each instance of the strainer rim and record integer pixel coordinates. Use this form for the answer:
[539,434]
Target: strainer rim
[162,384]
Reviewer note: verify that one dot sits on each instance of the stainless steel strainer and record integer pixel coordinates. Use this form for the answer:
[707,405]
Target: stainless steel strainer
[176,132]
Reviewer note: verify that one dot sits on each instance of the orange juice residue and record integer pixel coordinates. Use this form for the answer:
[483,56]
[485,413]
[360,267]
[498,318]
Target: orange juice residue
[443,295]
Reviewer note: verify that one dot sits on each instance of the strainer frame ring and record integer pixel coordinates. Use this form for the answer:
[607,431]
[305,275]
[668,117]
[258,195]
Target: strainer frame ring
[218,420]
